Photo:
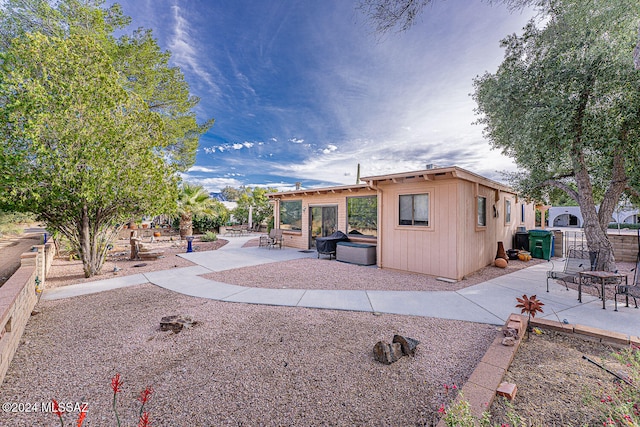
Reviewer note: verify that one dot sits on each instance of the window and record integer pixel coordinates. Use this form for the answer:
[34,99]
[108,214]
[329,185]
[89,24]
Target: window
[291,215]
[507,211]
[482,211]
[522,213]
[362,216]
[414,209]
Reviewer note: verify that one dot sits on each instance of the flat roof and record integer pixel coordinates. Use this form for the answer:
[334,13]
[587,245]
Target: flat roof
[370,182]
[325,190]
[438,173]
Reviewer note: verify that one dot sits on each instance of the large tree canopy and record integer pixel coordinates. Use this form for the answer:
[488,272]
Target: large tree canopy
[80,151]
[143,67]
[96,127]
[565,104]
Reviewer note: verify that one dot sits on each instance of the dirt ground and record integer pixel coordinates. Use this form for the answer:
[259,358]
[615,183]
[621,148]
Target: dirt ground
[556,386]
[11,247]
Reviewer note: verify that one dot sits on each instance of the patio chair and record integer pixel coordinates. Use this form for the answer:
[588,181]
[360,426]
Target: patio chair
[277,239]
[578,259]
[266,239]
[632,290]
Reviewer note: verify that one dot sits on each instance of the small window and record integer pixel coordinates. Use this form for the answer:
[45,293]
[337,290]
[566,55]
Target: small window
[291,215]
[482,211]
[414,209]
[522,217]
[362,216]
[507,211]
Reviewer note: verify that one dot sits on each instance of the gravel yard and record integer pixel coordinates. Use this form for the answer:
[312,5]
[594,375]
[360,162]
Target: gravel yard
[240,365]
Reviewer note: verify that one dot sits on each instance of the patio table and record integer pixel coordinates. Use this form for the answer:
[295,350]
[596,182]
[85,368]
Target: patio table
[603,278]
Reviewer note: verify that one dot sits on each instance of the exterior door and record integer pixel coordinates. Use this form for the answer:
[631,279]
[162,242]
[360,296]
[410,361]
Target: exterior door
[322,222]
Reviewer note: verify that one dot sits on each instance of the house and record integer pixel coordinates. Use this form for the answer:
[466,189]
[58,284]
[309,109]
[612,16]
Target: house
[444,222]
[571,216]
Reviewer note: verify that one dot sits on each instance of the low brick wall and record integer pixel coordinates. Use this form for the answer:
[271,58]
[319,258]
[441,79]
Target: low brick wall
[18,297]
[625,246]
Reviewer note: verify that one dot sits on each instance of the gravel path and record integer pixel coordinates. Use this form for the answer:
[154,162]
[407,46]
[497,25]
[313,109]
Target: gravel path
[240,365]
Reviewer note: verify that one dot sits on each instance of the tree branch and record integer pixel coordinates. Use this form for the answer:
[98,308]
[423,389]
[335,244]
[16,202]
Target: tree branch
[562,186]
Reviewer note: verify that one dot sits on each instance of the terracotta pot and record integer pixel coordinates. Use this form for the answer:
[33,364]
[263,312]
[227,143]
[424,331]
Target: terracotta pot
[157,234]
[145,225]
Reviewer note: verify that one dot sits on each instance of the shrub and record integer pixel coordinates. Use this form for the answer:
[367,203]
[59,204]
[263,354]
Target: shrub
[209,236]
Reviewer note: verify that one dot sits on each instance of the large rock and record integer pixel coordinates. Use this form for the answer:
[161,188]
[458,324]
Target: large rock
[387,353]
[176,323]
[408,344]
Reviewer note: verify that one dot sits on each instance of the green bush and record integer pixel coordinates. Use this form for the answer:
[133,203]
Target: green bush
[209,236]
[204,223]
[614,225]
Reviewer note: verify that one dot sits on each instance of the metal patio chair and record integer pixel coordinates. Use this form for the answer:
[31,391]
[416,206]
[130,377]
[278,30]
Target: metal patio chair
[632,290]
[578,259]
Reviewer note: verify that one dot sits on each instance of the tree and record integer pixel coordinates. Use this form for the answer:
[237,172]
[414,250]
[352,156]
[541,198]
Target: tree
[256,197]
[192,200]
[231,194]
[386,15]
[143,67]
[139,131]
[82,152]
[565,104]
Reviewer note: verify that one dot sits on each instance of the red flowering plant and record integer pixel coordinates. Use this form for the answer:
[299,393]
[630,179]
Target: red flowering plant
[116,386]
[530,305]
[619,402]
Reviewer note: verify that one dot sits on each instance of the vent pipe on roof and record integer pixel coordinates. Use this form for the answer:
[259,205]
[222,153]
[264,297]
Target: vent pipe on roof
[298,185]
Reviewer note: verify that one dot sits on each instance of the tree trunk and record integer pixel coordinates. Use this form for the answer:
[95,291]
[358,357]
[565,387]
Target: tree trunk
[594,230]
[186,225]
[84,235]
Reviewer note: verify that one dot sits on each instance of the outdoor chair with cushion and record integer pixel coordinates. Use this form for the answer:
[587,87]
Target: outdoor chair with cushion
[265,239]
[578,259]
[277,239]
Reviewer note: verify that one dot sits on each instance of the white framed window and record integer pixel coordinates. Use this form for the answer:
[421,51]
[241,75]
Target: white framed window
[414,209]
[482,211]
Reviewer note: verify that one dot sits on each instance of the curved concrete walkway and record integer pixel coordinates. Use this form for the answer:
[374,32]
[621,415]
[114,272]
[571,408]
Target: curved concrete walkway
[488,302]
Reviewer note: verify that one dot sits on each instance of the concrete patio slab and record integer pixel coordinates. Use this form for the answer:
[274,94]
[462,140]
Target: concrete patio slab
[284,297]
[336,300]
[93,287]
[446,305]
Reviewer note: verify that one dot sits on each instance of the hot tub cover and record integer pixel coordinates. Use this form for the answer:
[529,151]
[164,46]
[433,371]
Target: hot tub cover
[327,245]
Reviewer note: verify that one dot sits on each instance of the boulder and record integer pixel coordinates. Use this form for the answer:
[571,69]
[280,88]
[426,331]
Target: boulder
[176,323]
[387,353]
[408,344]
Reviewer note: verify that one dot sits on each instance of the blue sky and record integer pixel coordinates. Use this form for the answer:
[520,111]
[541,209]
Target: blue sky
[302,91]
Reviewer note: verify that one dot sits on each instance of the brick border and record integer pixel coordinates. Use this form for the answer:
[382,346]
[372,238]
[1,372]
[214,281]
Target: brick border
[480,389]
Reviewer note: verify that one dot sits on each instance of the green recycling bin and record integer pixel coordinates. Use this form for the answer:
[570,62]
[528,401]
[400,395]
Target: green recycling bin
[541,244]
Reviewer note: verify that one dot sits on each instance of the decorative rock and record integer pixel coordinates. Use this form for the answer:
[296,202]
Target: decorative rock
[509,341]
[176,323]
[408,344]
[510,332]
[387,353]
[500,263]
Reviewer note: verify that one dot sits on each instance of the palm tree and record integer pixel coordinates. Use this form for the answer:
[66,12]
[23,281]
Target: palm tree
[192,200]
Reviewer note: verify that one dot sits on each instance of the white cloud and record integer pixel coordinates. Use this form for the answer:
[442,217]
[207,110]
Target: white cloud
[330,149]
[213,184]
[296,140]
[202,169]
[184,50]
